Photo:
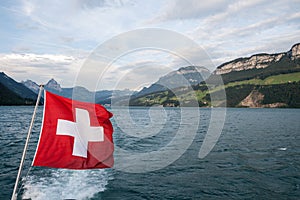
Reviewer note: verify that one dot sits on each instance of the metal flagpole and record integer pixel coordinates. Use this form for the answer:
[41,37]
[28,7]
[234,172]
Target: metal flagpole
[14,194]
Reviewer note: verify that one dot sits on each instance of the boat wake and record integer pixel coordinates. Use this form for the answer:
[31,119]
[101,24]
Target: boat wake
[65,184]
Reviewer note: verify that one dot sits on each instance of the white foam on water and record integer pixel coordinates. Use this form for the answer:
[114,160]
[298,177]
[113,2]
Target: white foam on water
[282,149]
[66,184]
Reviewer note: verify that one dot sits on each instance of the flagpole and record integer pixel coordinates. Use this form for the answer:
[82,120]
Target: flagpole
[14,194]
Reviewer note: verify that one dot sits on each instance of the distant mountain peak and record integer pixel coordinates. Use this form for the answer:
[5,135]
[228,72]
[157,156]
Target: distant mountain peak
[184,76]
[52,81]
[31,85]
[190,69]
[53,85]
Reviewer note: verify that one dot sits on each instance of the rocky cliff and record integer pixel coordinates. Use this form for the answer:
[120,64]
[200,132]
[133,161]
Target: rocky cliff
[295,52]
[257,61]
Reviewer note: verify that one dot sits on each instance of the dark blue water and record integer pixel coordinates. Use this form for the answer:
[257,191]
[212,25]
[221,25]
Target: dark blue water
[256,157]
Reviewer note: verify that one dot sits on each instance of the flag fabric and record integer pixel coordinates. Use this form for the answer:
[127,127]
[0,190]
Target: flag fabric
[74,135]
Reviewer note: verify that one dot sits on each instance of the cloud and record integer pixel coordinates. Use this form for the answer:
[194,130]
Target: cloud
[41,67]
[133,70]
[236,13]
[190,9]
[79,20]
[259,27]
[249,27]
[52,39]
[140,76]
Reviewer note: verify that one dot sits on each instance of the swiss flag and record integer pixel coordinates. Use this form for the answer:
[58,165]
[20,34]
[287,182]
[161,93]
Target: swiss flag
[74,135]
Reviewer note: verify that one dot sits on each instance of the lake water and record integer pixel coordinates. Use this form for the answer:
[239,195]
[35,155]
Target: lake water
[256,157]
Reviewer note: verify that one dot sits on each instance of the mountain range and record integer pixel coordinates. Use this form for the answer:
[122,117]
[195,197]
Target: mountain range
[14,93]
[261,80]
[183,76]
[77,92]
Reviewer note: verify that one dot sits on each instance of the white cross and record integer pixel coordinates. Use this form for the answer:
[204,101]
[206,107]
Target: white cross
[81,131]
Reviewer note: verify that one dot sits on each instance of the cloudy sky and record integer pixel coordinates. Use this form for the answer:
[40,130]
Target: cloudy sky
[55,39]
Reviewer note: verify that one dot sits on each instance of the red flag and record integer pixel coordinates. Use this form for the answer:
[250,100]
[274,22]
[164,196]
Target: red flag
[74,135]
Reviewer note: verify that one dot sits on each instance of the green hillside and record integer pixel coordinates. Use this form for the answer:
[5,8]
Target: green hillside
[281,90]
[271,80]
[285,95]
